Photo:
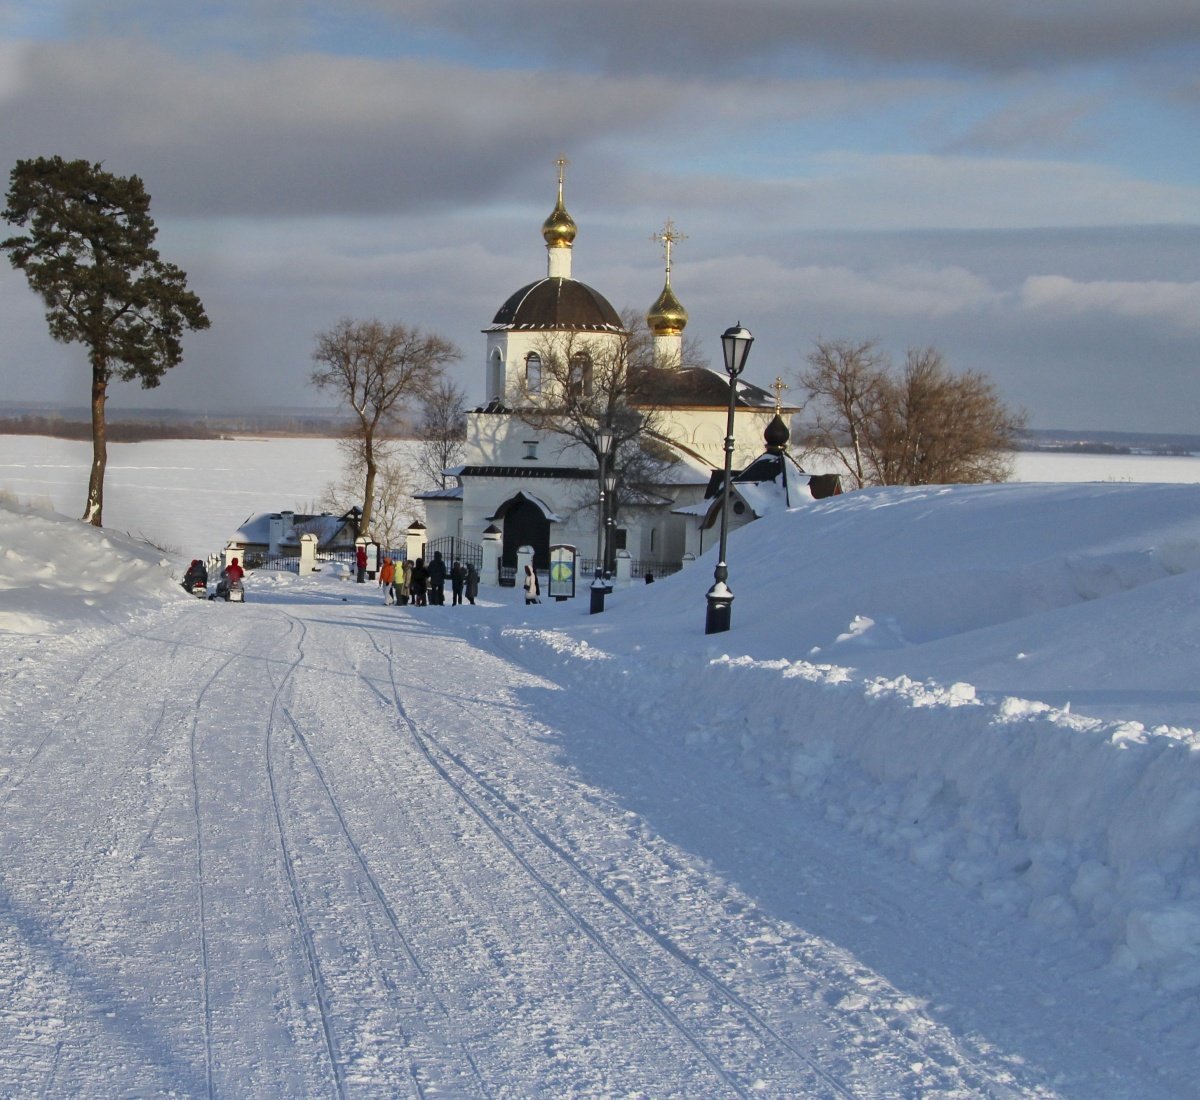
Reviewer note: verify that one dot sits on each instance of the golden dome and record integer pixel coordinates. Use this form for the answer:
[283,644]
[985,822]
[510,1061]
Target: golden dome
[559,228]
[667,317]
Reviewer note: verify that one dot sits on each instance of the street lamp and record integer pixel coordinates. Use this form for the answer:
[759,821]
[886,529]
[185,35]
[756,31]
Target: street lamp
[735,343]
[610,520]
[604,438]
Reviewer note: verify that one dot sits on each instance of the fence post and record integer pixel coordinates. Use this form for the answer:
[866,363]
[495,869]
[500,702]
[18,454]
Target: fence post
[308,554]
[414,543]
[489,572]
[624,567]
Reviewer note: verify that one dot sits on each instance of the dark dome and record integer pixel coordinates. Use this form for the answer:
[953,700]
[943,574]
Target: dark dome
[777,435]
[557,304]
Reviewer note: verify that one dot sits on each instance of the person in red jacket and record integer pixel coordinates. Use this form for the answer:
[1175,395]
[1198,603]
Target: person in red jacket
[231,575]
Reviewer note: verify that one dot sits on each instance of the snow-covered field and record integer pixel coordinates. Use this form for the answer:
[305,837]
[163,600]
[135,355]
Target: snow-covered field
[191,495]
[924,823]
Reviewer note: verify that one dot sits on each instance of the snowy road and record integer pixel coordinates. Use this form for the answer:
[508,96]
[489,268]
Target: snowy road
[308,847]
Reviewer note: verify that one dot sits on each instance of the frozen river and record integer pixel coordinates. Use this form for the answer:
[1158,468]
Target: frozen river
[189,496]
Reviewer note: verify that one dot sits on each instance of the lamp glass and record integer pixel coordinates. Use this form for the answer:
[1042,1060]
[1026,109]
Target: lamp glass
[735,343]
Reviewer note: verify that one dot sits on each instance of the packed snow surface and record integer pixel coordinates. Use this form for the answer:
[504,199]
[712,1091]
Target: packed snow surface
[924,823]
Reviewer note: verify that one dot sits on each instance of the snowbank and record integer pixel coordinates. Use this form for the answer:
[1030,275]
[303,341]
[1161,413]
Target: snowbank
[57,575]
[952,613]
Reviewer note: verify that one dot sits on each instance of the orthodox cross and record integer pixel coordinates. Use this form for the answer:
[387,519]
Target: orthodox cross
[668,236]
[779,386]
[561,163]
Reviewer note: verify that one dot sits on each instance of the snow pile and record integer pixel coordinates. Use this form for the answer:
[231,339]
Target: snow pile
[57,575]
[997,683]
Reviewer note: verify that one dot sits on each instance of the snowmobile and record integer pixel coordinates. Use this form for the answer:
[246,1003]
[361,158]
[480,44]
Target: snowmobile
[229,591]
[232,591]
[195,580]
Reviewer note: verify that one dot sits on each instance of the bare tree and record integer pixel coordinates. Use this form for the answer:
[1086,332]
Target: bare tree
[845,384]
[938,428]
[583,383]
[442,432]
[373,368]
[927,426]
[392,507]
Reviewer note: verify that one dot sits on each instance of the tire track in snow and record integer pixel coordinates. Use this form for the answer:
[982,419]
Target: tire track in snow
[391,918]
[307,940]
[202,915]
[443,761]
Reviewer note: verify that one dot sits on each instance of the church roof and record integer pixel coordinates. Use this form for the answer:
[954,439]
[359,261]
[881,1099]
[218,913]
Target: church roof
[555,304]
[696,387]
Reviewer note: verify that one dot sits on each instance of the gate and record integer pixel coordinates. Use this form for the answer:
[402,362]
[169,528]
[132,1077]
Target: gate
[455,549]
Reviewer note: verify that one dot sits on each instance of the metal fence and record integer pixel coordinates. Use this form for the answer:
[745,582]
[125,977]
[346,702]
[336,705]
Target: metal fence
[456,549]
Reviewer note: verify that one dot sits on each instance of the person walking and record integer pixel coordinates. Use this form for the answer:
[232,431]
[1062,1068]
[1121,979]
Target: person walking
[532,591]
[471,584]
[404,582]
[387,577]
[458,576]
[360,561]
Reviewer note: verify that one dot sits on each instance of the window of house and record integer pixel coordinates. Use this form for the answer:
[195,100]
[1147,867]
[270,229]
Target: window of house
[496,377]
[533,373]
[580,379]
[531,448]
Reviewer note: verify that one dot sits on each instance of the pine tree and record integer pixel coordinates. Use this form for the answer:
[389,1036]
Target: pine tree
[89,252]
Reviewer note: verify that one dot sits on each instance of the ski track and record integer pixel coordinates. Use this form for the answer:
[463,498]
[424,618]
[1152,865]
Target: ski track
[503,819]
[330,851]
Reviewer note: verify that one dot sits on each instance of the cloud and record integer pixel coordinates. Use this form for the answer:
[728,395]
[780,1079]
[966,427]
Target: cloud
[724,36]
[304,134]
[1176,304]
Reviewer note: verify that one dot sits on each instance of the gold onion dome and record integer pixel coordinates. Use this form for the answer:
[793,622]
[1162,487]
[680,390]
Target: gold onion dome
[667,317]
[559,229]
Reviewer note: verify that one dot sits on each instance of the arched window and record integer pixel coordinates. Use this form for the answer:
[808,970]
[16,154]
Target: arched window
[533,373]
[496,377]
[580,378]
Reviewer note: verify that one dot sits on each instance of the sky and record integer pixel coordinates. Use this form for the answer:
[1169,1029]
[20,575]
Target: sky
[1017,185]
[925,829]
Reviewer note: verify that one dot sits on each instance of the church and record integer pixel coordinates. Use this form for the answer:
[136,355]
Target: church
[558,361]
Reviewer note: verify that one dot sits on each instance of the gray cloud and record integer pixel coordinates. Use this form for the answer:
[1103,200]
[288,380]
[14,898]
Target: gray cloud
[724,36]
[303,134]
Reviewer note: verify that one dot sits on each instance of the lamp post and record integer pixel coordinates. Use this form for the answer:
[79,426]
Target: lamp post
[604,438]
[610,520]
[735,343]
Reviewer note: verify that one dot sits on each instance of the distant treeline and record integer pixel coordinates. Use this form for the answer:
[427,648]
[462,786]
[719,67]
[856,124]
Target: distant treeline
[141,431]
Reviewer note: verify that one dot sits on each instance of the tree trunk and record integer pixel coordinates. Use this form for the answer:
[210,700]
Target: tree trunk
[369,488]
[95,498]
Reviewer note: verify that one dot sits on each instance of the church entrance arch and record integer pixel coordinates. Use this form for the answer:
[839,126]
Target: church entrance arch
[525,524]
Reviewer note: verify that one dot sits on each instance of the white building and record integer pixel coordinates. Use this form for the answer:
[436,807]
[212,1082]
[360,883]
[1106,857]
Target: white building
[535,487]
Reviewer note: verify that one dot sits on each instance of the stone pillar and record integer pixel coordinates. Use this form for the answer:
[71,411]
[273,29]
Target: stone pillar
[308,554]
[493,539]
[414,543]
[524,558]
[274,534]
[231,552]
[688,559]
[624,567]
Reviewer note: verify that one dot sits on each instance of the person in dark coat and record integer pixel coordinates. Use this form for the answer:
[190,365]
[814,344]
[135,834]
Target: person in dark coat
[196,576]
[458,577]
[437,579]
[417,582]
[533,592]
[472,584]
